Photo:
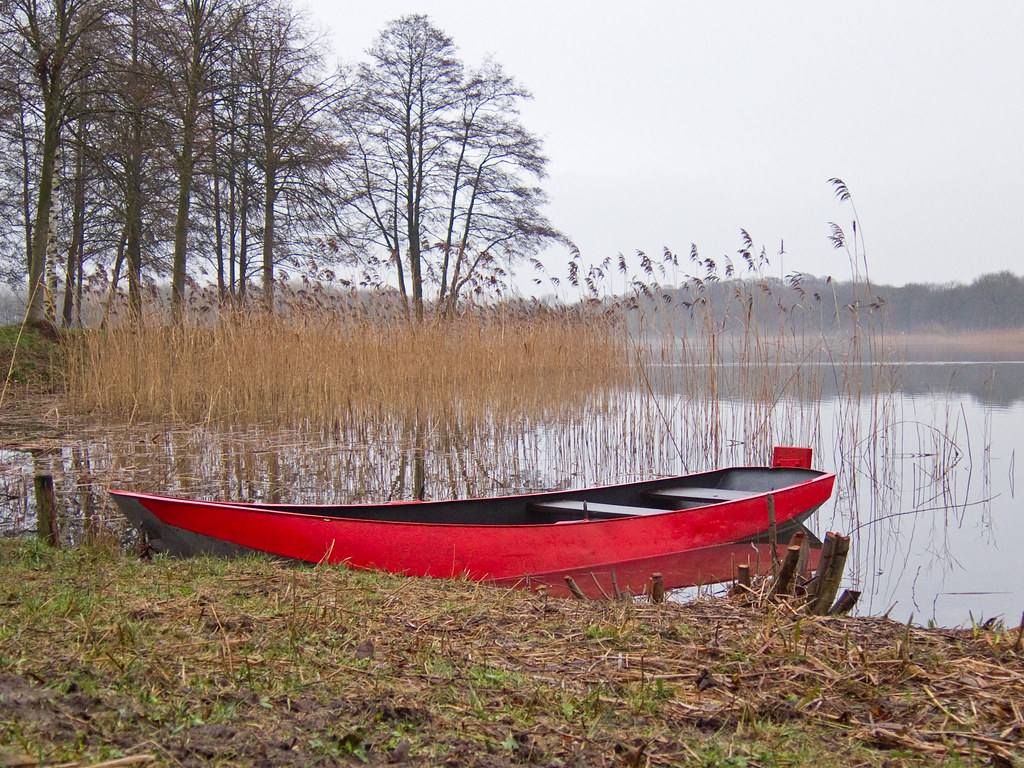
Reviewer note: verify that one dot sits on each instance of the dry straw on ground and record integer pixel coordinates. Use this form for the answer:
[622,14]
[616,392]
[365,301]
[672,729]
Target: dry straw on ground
[247,663]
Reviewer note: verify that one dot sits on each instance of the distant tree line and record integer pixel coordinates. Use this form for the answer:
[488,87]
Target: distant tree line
[212,140]
[992,301]
[734,295]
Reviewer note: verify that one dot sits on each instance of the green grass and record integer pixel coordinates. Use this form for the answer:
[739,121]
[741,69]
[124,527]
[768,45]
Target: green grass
[31,357]
[207,661]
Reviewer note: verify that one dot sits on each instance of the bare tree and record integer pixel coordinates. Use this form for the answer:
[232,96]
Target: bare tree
[492,208]
[191,37]
[401,127]
[133,95]
[128,163]
[51,39]
[445,172]
[20,133]
[233,178]
[74,267]
[293,98]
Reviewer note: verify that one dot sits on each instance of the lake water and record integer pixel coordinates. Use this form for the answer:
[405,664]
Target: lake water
[937,529]
[926,472]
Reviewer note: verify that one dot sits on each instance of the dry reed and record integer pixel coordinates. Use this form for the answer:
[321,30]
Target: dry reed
[318,369]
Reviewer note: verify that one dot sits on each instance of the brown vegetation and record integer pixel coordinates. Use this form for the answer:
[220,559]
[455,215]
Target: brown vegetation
[258,368]
[253,663]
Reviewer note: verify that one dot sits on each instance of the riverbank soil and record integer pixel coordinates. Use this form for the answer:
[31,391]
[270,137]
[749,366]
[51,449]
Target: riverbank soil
[106,657]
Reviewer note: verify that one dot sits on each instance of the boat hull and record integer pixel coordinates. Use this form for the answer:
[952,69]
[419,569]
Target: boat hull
[540,543]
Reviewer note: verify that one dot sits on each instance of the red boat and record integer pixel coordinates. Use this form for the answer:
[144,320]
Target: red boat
[528,539]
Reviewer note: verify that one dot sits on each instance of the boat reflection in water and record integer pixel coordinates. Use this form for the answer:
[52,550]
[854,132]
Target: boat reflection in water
[695,568]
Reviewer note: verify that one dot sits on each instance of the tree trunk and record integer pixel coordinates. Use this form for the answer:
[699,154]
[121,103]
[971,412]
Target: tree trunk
[133,253]
[243,246]
[415,255]
[114,278]
[51,143]
[232,216]
[26,189]
[270,193]
[413,201]
[51,239]
[80,282]
[218,212]
[186,167]
[133,183]
[72,283]
[218,223]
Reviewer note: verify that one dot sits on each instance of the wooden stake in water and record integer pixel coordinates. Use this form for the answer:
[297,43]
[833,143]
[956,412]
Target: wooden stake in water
[845,603]
[773,533]
[46,510]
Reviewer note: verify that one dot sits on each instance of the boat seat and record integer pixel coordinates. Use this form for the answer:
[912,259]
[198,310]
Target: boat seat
[594,509]
[705,495]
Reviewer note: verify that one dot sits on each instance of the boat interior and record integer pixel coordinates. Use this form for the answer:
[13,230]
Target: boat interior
[607,503]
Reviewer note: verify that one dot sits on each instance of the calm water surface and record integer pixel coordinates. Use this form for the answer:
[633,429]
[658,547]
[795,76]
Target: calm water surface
[937,528]
[926,473]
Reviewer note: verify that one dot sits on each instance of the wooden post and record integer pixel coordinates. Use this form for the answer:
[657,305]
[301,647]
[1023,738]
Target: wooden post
[825,558]
[830,573]
[743,575]
[783,584]
[657,588]
[89,523]
[800,539]
[46,510]
[773,533]
[845,603]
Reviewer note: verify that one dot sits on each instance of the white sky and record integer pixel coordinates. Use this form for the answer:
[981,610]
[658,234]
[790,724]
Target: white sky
[671,123]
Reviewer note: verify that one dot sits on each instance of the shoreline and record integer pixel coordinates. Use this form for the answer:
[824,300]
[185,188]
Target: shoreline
[249,662]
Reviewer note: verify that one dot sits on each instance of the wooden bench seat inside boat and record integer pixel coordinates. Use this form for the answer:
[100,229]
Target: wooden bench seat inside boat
[706,495]
[594,509]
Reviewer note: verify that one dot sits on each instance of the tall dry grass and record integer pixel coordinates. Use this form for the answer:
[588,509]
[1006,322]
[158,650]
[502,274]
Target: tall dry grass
[318,368]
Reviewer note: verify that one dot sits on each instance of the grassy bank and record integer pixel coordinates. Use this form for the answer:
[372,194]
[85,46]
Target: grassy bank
[30,357]
[206,662]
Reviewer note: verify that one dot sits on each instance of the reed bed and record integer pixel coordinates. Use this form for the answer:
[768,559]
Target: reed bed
[322,369]
[998,343]
[656,361]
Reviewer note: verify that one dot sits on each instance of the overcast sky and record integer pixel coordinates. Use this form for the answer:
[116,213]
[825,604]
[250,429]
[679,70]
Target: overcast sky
[671,123]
